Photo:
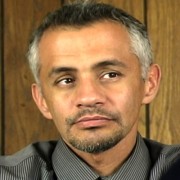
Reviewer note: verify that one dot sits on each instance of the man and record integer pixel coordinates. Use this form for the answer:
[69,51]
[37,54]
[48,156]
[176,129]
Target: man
[93,69]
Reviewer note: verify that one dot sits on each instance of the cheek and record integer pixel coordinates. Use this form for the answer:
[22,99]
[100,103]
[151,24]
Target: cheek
[60,108]
[56,101]
[127,101]
[58,112]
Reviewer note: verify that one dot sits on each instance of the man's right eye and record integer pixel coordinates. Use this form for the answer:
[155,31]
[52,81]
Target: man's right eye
[65,81]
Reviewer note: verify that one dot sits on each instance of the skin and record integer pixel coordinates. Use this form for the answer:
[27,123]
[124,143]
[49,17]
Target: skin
[92,68]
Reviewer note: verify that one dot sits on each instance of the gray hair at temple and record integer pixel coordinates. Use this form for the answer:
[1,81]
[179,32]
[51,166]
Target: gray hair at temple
[84,13]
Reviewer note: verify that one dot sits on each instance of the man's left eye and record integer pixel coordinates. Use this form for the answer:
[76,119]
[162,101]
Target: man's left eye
[110,75]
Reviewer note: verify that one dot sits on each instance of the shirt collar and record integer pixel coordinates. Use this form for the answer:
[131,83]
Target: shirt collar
[69,166]
[138,165]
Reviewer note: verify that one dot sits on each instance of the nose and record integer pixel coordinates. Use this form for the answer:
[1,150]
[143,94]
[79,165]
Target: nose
[89,94]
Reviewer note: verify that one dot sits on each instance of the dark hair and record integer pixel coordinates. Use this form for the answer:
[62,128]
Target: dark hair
[84,13]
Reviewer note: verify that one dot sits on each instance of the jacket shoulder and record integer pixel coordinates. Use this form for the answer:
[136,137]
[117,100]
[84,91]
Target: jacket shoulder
[156,150]
[39,150]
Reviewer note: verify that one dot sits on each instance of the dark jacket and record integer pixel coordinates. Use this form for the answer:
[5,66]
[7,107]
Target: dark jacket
[174,172]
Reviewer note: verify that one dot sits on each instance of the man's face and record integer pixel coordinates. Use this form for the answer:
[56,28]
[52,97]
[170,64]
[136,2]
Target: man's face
[91,84]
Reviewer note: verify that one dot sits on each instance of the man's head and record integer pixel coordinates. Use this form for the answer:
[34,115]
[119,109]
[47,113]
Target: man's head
[79,15]
[94,70]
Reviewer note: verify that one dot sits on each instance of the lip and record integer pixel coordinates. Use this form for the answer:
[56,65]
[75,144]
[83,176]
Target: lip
[92,121]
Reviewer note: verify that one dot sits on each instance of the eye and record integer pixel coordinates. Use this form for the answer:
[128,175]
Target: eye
[65,81]
[110,75]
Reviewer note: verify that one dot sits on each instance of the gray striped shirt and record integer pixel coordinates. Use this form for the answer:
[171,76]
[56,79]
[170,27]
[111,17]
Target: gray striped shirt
[54,160]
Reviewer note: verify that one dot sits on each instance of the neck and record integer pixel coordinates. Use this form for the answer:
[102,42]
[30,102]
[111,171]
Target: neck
[107,162]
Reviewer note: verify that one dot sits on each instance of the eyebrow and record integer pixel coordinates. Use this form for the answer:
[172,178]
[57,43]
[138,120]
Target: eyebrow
[58,70]
[109,62]
[105,63]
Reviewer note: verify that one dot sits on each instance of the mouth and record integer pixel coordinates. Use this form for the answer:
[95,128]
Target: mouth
[88,122]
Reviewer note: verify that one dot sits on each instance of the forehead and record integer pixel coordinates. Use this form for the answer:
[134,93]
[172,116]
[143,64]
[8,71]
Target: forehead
[94,42]
[105,30]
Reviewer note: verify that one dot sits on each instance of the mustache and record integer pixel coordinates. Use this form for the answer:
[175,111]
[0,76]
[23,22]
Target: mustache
[95,111]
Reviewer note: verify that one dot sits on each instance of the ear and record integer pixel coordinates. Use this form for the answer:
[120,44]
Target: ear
[152,83]
[40,100]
